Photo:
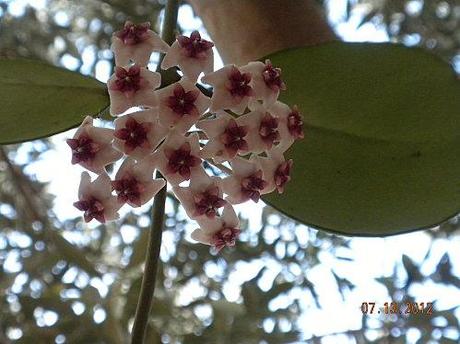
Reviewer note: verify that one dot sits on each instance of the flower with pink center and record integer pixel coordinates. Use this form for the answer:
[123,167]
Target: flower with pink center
[266,81]
[83,148]
[268,130]
[181,160]
[272,77]
[192,55]
[283,175]
[138,133]
[136,43]
[95,199]
[178,157]
[134,183]
[246,182]
[92,147]
[238,83]
[134,134]
[220,233]
[226,137]
[252,186]
[128,80]
[181,105]
[231,89]
[132,86]
[263,129]
[202,198]
[233,138]
[129,190]
[194,46]
[133,34]
[290,124]
[248,120]
[208,201]
[277,171]
[226,237]
[295,123]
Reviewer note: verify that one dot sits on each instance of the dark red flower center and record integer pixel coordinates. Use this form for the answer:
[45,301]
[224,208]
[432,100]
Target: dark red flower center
[268,130]
[252,185]
[181,102]
[133,34]
[238,83]
[225,237]
[295,123]
[208,202]
[129,190]
[181,160]
[194,46]
[233,138]
[135,134]
[128,80]
[283,175]
[83,149]
[93,209]
[272,77]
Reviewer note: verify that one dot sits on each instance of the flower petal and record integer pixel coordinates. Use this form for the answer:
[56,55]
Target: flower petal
[87,123]
[104,157]
[229,217]
[243,167]
[84,188]
[121,52]
[153,79]
[171,57]
[134,91]
[214,127]
[231,90]
[101,187]
[175,162]
[190,66]
[111,207]
[202,237]
[185,197]
[151,189]
[181,110]
[282,111]
[125,168]
[261,90]
[91,147]
[140,137]
[200,180]
[232,187]
[144,169]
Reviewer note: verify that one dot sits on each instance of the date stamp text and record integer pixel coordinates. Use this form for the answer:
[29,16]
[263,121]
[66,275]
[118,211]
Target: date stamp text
[398,308]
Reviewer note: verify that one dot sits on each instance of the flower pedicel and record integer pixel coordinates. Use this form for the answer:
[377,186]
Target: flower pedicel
[242,124]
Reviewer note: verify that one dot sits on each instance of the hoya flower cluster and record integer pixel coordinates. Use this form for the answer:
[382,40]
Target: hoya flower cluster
[176,128]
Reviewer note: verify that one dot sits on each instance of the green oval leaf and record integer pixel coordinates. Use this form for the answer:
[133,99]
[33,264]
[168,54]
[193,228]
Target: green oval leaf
[39,100]
[381,154]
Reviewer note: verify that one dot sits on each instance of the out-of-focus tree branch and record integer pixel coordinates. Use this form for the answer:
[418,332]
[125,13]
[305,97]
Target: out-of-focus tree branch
[37,211]
[246,30]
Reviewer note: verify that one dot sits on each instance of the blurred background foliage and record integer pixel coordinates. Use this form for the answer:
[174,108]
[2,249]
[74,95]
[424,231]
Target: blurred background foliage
[65,282]
[431,24]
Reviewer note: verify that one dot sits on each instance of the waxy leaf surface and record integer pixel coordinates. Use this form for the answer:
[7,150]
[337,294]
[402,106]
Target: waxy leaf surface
[38,100]
[381,153]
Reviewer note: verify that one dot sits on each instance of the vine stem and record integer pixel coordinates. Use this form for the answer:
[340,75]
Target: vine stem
[144,303]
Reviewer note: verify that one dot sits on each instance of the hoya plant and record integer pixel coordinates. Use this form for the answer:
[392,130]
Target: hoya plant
[357,139]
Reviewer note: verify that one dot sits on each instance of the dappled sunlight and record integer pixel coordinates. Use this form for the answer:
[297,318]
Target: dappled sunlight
[65,281]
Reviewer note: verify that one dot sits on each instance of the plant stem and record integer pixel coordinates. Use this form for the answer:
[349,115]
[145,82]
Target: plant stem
[151,266]
[153,250]
[170,21]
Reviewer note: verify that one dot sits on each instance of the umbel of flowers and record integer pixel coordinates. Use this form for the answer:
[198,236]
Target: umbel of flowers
[174,129]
